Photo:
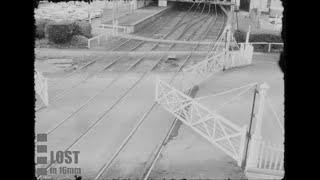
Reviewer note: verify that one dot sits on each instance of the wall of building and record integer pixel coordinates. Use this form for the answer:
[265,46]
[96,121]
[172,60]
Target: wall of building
[162,3]
[266,5]
[259,4]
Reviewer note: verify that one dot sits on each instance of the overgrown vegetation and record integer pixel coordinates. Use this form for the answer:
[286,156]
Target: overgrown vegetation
[40,28]
[64,34]
[82,28]
[240,36]
[60,33]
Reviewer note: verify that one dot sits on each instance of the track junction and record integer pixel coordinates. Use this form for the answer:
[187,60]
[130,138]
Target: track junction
[86,105]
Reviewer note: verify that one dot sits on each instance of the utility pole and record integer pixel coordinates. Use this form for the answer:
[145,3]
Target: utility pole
[232,23]
[115,17]
[259,13]
[237,13]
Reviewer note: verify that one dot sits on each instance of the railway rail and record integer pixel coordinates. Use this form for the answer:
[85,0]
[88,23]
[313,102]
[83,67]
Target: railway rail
[110,108]
[127,45]
[165,140]
[148,169]
[156,63]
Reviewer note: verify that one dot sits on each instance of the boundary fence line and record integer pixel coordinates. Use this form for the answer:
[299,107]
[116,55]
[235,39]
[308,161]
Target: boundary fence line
[98,39]
[265,43]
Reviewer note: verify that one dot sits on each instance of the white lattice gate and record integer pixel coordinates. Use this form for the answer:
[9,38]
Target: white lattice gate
[265,159]
[258,157]
[41,87]
[218,59]
[218,130]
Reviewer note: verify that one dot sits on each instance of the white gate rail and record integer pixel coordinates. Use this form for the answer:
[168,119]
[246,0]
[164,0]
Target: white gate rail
[265,43]
[224,60]
[218,130]
[218,59]
[41,87]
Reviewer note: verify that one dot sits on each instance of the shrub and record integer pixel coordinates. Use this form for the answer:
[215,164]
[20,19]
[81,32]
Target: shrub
[60,32]
[265,38]
[40,27]
[79,41]
[82,28]
[240,36]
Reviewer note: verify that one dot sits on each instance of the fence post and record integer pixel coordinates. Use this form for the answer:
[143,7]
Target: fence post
[269,47]
[248,35]
[117,26]
[263,90]
[90,18]
[46,96]
[157,89]
[41,87]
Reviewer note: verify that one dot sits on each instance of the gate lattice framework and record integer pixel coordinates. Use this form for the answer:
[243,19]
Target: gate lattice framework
[226,135]
[218,130]
[41,87]
[219,58]
[259,156]
[264,158]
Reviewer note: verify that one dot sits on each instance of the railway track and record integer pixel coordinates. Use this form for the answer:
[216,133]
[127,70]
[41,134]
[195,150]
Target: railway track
[158,152]
[119,99]
[149,31]
[113,62]
[124,44]
[178,23]
[160,148]
[146,174]
[212,25]
[155,63]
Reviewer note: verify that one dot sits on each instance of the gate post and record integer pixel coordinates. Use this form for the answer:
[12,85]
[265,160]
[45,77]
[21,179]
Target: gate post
[262,93]
[41,87]
[247,37]
[227,46]
[117,27]
[157,89]
[45,89]
[254,147]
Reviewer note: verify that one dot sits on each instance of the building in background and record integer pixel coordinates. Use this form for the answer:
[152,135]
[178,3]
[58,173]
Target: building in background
[274,7]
